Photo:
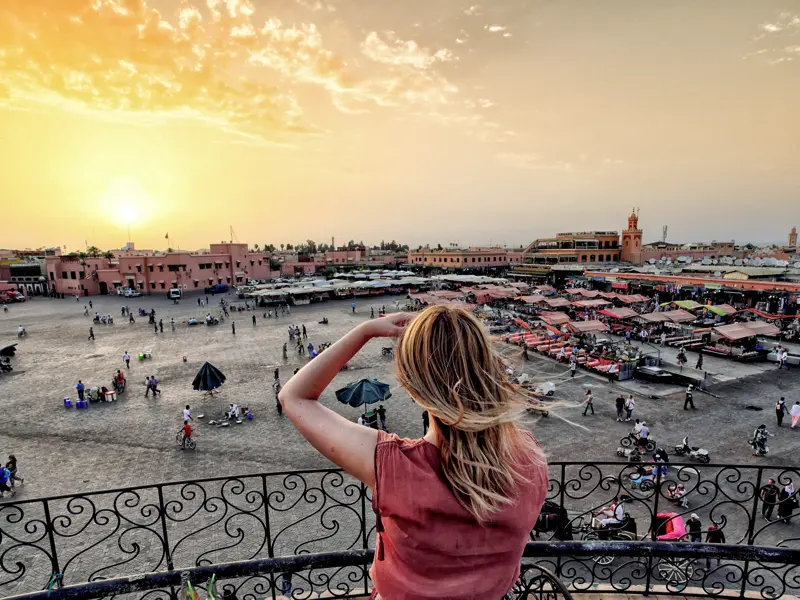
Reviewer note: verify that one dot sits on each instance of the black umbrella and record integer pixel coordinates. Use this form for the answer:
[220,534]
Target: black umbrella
[364,391]
[208,378]
[8,350]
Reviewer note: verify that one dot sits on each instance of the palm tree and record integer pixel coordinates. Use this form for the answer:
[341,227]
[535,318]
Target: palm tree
[93,252]
[109,255]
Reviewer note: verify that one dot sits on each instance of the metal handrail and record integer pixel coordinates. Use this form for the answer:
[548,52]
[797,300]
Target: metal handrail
[302,562]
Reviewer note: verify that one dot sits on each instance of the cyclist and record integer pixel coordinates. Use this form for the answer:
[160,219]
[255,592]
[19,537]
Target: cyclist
[187,433]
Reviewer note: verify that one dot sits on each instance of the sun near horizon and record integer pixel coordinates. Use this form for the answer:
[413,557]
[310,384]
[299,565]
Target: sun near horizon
[428,123]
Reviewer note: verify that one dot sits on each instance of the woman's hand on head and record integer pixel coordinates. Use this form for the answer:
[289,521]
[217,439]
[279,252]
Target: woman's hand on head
[389,326]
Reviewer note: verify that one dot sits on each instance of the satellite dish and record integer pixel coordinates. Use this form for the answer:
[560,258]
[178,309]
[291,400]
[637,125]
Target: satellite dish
[717,273]
[738,262]
[652,261]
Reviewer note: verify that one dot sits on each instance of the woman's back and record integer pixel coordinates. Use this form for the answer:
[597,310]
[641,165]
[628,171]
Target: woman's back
[429,545]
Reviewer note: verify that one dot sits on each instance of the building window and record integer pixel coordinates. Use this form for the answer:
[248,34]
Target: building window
[150,267]
[72,274]
[161,268]
[196,284]
[592,258]
[227,280]
[173,268]
[152,285]
[138,268]
[600,258]
[608,258]
[52,276]
[163,286]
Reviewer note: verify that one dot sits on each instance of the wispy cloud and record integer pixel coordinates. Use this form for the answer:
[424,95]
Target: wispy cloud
[779,40]
[472,10]
[394,51]
[494,28]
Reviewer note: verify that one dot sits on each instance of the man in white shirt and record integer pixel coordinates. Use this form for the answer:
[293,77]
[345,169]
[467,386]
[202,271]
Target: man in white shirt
[615,512]
[187,414]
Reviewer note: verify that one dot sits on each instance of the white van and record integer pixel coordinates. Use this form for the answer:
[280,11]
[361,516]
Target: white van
[175,294]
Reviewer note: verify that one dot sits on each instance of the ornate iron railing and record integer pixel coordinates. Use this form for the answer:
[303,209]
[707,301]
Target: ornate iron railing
[267,521]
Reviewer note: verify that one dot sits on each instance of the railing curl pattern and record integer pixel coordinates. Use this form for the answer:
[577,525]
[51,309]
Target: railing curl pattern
[198,524]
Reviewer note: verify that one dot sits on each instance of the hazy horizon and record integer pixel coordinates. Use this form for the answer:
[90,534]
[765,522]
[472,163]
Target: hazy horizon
[423,122]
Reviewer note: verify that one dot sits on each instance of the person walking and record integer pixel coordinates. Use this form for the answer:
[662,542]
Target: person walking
[714,535]
[199,302]
[305,334]
[371,312]
[382,416]
[285,353]
[681,358]
[612,372]
[161,325]
[630,404]
[254,320]
[154,385]
[780,410]
[80,388]
[573,365]
[784,359]
[787,502]
[699,364]
[11,465]
[693,527]
[663,339]
[795,413]
[276,387]
[91,333]
[769,498]
[187,414]
[155,326]
[130,318]
[127,359]
[90,304]
[589,402]
[353,307]
[147,387]
[425,497]
[172,323]
[689,398]
[620,403]
[233,327]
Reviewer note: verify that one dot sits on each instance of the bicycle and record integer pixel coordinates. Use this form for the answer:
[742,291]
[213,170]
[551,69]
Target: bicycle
[184,443]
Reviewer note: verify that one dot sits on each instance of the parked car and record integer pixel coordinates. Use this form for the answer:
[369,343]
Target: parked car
[12,296]
[132,294]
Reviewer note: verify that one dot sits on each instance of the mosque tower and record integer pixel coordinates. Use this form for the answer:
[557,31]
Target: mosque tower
[793,238]
[632,240]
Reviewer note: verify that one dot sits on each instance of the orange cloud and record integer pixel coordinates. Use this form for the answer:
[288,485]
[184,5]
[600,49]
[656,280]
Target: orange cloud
[209,61]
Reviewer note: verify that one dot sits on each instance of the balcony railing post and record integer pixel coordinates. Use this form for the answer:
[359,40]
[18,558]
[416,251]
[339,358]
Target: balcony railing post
[656,494]
[561,504]
[364,532]
[751,528]
[163,511]
[270,549]
[53,552]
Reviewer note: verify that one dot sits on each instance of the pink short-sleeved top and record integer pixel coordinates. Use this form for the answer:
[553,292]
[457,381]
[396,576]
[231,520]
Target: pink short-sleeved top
[429,546]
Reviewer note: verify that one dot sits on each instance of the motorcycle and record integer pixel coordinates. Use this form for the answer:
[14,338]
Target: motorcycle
[632,439]
[698,454]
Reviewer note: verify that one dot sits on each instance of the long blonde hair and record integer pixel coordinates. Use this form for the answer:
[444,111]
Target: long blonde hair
[446,362]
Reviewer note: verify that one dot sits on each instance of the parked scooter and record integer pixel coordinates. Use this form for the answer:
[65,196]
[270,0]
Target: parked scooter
[698,454]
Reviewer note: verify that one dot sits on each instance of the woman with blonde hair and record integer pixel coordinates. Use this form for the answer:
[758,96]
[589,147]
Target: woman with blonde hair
[455,508]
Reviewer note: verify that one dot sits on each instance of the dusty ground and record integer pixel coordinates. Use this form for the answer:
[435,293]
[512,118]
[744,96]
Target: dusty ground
[132,441]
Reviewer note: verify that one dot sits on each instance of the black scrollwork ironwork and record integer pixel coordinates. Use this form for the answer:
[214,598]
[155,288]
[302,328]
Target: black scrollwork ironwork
[86,538]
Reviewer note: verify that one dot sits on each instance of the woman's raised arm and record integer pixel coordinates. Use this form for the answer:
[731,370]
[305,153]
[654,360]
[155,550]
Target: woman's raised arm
[347,444]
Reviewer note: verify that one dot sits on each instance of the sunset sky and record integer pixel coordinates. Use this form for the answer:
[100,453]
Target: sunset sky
[420,120]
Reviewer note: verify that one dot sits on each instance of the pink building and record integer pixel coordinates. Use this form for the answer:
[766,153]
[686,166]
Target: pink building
[232,264]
